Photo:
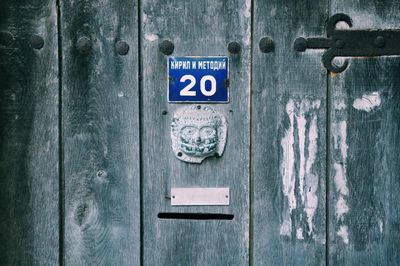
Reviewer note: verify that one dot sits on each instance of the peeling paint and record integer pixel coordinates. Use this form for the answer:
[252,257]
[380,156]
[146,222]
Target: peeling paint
[343,232]
[380,222]
[273,12]
[341,208]
[247,10]
[367,102]
[151,37]
[299,233]
[303,123]
[311,185]
[339,104]
[287,167]
[247,39]
[339,133]
[286,227]
[339,130]
[340,179]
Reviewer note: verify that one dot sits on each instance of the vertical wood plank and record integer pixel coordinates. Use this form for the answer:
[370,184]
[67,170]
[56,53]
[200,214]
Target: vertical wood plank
[197,28]
[364,160]
[29,174]
[288,136]
[100,133]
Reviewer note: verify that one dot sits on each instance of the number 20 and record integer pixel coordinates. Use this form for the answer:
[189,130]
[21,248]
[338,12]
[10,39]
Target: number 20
[186,91]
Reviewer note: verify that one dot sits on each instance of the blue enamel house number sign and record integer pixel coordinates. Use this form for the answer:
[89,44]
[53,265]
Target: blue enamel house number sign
[198,79]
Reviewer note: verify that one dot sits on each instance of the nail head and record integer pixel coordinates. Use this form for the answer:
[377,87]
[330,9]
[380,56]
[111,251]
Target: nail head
[339,44]
[6,38]
[300,44]
[266,45]
[37,42]
[234,47]
[84,44]
[379,41]
[122,48]
[166,47]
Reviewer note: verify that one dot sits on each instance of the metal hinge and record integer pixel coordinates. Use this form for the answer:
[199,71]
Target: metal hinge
[350,43]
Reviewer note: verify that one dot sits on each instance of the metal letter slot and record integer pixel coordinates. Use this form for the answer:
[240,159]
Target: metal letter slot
[350,43]
[199,196]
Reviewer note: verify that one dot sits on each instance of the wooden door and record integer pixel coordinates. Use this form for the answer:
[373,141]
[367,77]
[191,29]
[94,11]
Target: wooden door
[324,161]
[87,165]
[100,139]
[29,133]
[289,119]
[201,28]
[364,160]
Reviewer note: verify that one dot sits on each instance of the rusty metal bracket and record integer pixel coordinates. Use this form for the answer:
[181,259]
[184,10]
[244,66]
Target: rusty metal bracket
[350,43]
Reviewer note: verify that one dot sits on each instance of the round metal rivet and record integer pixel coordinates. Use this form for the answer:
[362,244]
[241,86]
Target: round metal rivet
[339,44]
[37,42]
[122,47]
[164,112]
[179,154]
[234,47]
[100,173]
[199,107]
[226,83]
[266,45]
[379,41]
[84,44]
[6,38]
[166,47]
[300,44]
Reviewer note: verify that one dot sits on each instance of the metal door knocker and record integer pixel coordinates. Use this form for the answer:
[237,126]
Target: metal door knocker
[198,132]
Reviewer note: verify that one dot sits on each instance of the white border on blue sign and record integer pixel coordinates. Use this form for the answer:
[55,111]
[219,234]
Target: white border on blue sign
[198,56]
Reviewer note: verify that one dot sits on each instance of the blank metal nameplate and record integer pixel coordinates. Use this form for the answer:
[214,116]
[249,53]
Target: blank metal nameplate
[199,196]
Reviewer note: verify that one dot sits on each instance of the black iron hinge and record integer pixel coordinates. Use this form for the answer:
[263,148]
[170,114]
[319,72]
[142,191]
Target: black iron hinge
[350,43]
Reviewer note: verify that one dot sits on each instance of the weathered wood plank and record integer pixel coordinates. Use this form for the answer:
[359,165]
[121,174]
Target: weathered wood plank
[201,28]
[364,161]
[29,174]
[288,136]
[101,133]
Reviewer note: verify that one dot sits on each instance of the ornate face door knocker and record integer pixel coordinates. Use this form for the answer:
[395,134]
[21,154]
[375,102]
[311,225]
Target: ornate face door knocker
[198,132]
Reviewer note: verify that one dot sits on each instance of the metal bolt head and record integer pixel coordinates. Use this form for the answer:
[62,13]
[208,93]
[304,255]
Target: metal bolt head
[234,48]
[122,47]
[101,173]
[266,45]
[226,83]
[37,42]
[379,41]
[300,44]
[84,44]
[165,112]
[339,44]
[166,47]
[6,38]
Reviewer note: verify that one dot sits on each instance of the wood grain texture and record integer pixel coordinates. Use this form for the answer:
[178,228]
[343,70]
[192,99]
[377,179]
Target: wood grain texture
[101,134]
[288,136]
[202,28]
[364,161]
[29,175]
